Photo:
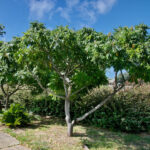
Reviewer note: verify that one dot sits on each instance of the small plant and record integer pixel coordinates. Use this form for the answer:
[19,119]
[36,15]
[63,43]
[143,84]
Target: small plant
[15,116]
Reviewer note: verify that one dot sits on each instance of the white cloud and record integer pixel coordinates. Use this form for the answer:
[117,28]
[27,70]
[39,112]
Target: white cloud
[85,10]
[89,10]
[71,3]
[66,11]
[38,8]
[104,6]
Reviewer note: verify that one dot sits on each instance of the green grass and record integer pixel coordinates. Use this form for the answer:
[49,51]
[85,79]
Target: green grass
[50,134]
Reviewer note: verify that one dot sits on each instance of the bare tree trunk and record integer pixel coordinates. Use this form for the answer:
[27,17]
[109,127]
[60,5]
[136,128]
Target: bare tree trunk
[0,106]
[6,102]
[68,118]
[70,129]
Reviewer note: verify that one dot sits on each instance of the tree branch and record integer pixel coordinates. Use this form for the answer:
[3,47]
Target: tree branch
[45,89]
[98,106]
[3,90]
[14,91]
[122,76]
[116,80]
[76,92]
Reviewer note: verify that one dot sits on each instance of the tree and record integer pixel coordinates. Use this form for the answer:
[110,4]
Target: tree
[59,57]
[10,79]
[64,61]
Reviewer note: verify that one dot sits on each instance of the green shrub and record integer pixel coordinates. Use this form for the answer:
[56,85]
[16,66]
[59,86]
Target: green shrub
[15,116]
[47,106]
[128,110]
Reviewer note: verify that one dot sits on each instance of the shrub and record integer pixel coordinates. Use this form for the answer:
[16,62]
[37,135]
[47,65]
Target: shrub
[47,106]
[128,111]
[15,116]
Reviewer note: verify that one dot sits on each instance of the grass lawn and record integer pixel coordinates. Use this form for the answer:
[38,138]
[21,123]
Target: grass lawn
[50,134]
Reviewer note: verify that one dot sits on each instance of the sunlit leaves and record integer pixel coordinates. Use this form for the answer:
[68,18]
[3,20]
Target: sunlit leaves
[61,53]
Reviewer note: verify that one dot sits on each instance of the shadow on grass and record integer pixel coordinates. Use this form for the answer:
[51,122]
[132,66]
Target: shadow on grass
[44,122]
[97,138]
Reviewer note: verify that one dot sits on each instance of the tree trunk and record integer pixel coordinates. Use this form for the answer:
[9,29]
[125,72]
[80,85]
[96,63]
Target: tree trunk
[6,102]
[0,106]
[70,129]
[68,118]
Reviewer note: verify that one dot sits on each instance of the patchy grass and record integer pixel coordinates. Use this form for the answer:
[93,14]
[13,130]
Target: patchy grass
[50,134]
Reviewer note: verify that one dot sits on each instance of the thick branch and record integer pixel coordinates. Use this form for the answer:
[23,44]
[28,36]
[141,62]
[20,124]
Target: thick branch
[122,76]
[2,87]
[116,80]
[98,106]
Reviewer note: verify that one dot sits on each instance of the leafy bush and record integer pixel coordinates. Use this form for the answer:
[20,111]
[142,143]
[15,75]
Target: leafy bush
[47,106]
[128,111]
[15,116]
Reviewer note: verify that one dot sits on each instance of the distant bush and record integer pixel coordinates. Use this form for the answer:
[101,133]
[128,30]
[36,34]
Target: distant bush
[15,116]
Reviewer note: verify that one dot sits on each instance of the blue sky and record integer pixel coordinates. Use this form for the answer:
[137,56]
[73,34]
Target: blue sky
[102,15]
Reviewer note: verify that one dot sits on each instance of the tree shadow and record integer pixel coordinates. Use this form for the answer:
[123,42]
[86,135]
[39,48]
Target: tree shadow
[44,122]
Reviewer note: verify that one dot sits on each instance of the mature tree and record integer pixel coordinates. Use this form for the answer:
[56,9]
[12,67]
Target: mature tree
[59,57]
[10,78]
[64,61]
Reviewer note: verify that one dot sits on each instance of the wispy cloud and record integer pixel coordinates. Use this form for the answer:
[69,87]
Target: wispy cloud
[38,8]
[72,3]
[65,12]
[86,10]
[103,6]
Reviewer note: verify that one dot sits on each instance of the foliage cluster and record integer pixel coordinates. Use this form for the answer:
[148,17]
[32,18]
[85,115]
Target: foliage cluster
[15,116]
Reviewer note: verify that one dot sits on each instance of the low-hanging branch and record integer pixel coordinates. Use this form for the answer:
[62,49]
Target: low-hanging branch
[98,106]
